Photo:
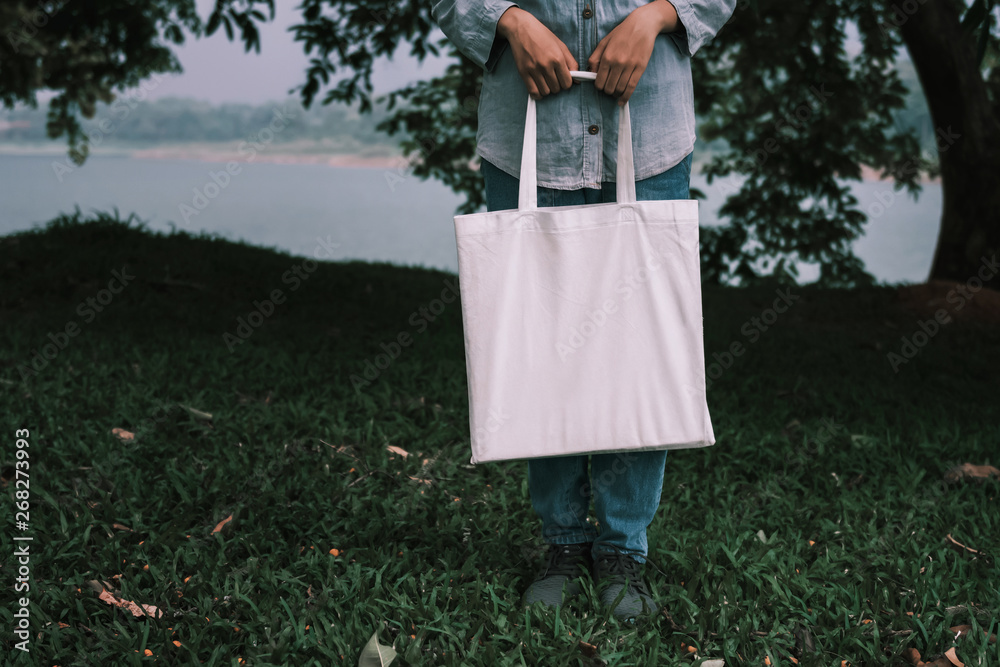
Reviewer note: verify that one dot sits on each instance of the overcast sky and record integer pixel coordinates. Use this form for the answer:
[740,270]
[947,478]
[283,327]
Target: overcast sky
[218,70]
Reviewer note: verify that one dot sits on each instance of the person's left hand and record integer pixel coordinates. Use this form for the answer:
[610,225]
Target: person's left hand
[621,57]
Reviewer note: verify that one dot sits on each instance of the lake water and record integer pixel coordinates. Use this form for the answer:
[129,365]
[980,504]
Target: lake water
[375,214]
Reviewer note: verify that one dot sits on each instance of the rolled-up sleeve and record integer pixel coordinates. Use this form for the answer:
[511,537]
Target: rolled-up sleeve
[471,25]
[700,21]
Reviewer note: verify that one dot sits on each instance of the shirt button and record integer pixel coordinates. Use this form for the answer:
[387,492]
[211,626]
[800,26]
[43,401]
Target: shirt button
[587,12]
[593,129]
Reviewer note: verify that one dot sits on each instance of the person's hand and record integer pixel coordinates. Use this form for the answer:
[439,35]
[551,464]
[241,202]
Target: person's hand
[621,57]
[542,60]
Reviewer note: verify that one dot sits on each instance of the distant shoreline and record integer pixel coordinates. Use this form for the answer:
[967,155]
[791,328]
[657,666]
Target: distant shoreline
[211,154]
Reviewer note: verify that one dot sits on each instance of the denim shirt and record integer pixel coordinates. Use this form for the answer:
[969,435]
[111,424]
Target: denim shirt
[577,128]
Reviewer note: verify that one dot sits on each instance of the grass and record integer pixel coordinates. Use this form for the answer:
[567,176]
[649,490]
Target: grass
[813,528]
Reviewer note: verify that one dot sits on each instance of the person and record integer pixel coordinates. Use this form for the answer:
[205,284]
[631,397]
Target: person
[641,52]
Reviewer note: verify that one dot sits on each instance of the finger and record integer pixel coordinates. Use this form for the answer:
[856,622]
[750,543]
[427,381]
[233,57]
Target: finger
[563,76]
[532,89]
[611,82]
[623,81]
[541,84]
[551,81]
[594,61]
[633,81]
[569,62]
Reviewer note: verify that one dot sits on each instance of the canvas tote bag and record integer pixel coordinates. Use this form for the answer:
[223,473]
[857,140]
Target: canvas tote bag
[583,324]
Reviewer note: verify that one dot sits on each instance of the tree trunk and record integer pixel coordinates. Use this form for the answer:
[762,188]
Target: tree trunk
[968,137]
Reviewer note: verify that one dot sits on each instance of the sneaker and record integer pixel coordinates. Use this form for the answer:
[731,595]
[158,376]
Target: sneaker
[558,580]
[620,585]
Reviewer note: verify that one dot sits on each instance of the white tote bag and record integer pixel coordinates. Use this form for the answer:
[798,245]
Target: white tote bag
[583,324]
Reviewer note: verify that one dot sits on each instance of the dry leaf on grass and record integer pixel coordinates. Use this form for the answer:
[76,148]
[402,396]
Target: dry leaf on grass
[121,526]
[398,450]
[970,471]
[951,655]
[588,650]
[122,434]
[949,659]
[128,605]
[222,523]
[418,479]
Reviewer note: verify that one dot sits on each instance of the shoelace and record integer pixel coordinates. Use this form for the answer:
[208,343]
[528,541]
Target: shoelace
[621,563]
[563,560]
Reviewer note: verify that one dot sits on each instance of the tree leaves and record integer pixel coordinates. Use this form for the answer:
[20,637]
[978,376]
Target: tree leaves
[86,55]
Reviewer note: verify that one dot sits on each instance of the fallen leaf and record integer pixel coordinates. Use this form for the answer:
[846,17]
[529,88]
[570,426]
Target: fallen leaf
[714,663]
[222,523]
[951,655]
[588,650]
[375,654]
[120,526]
[911,655]
[398,450]
[137,610]
[123,434]
[418,479]
[970,471]
[761,536]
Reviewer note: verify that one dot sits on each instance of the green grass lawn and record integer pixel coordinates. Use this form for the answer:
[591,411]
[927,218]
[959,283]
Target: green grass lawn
[816,527]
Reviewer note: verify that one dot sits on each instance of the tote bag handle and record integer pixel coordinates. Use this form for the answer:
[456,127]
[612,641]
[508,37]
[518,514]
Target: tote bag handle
[527,196]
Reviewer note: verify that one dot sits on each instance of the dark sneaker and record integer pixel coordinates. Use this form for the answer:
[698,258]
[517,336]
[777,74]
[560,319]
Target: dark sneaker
[558,580]
[618,576]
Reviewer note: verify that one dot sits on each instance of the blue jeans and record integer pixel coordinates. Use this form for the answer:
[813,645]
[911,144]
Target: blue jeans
[626,487]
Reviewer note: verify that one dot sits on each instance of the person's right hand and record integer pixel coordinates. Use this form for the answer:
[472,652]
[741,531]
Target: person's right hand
[542,59]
